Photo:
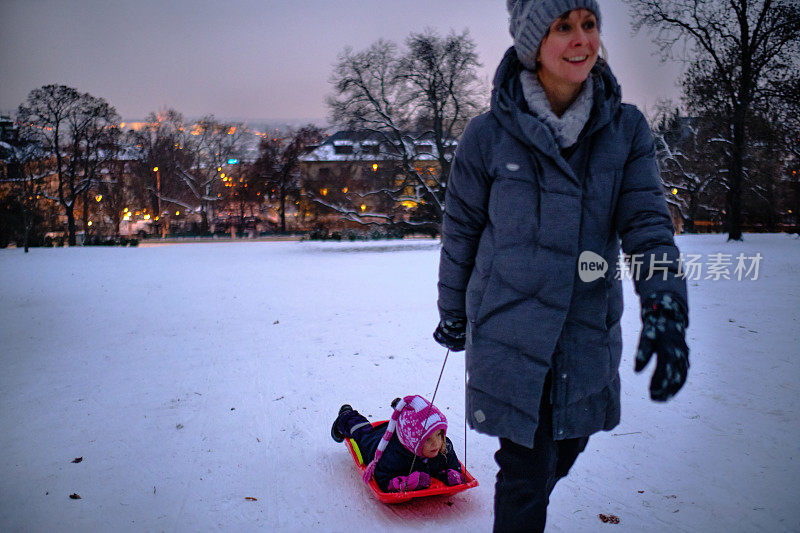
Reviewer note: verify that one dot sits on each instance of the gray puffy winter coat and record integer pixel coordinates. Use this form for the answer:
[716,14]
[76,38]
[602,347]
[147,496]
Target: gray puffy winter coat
[518,213]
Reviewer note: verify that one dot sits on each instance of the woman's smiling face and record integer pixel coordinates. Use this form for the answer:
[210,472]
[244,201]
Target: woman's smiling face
[569,50]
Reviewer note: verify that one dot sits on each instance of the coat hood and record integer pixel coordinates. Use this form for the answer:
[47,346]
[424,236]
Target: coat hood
[508,104]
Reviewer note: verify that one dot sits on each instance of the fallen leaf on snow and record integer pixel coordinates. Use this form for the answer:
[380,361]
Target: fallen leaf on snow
[77,460]
[609,519]
[251,499]
[74,496]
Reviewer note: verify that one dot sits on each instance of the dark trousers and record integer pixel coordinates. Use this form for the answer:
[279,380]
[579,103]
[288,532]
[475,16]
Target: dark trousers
[353,425]
[527,476]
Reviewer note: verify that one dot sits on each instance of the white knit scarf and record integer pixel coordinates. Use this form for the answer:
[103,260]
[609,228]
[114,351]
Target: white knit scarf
[565,129]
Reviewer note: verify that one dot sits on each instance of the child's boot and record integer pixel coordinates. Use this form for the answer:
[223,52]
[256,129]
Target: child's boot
[336,433]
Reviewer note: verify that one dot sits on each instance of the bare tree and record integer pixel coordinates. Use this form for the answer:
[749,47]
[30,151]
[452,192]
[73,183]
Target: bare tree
[70,126]
[162,144]
[27,167]
[112,187]
[278,164]
[742,54]
[688,152]
[442,85]
[212,144]
[431,89]
[95,134]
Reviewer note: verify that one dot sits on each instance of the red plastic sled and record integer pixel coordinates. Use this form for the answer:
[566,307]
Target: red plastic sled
[437,488]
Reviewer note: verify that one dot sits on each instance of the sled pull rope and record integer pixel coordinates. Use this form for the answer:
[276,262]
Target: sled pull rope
[429,410]
[465,414]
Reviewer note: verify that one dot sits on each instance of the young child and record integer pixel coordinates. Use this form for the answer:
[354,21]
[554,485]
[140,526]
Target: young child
[415,437]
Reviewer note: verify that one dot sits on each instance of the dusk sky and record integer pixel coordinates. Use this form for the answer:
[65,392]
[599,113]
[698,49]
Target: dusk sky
[256,59]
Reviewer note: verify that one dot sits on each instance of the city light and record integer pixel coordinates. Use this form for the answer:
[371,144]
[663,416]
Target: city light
[375,167]
[177,213]
[324,192]
[98,197]
[155,169]
[344,190]
[89,223]
[674,190]
[363,207]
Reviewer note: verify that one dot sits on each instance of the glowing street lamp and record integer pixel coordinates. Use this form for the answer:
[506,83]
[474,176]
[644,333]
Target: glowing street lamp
[158,188]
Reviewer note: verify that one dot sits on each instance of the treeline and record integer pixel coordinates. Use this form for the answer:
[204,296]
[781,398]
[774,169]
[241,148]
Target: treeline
[737,157]
[70,164]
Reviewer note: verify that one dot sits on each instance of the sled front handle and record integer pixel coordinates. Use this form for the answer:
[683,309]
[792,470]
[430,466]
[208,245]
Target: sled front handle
[358,452]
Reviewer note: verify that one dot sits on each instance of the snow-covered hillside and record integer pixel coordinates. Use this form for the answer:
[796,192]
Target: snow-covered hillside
[192,377]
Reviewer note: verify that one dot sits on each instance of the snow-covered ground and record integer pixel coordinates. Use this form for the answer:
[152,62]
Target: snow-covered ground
[192,377]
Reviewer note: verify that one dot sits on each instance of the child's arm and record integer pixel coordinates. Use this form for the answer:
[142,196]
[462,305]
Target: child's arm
[392,471]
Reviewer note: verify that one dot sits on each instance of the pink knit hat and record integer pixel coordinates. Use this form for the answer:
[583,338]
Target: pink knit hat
[415,419]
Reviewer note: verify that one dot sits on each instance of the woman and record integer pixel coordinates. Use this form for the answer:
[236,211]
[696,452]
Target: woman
[558,169]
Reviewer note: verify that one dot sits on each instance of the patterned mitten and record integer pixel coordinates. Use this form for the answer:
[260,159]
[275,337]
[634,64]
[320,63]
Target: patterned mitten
[454,477]
[414,481]
[451,333]
[664,322]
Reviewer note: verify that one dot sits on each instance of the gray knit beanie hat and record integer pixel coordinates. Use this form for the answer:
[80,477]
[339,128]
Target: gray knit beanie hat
[529,21]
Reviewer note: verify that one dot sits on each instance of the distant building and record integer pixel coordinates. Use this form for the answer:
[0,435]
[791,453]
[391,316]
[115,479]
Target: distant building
[350,165]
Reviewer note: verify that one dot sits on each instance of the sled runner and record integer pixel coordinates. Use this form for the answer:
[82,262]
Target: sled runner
[437,488]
